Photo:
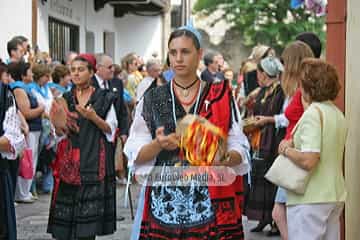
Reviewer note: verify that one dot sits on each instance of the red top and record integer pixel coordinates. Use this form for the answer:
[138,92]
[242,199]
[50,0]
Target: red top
[293,112]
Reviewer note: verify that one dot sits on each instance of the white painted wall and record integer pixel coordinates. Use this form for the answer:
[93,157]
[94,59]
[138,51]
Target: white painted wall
[142,35]
[50,8]
[84,16]
[352,101]
[100,22]
[15,19]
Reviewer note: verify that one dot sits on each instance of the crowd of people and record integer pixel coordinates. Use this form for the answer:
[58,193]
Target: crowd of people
[84,121]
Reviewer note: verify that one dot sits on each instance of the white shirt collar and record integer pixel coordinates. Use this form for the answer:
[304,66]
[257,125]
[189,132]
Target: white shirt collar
[100,81]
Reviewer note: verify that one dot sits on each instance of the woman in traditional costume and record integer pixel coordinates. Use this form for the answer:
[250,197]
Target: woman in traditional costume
[187,212]
[260,198]
[83,201]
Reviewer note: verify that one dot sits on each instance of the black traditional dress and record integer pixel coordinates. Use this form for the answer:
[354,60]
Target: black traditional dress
[259,201]
[189,212]
[85,207]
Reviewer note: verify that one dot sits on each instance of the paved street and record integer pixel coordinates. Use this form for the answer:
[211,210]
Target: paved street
[32,220]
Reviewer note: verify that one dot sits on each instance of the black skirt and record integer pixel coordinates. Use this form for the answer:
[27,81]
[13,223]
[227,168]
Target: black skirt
[7,209]
[260,196]
[84,211]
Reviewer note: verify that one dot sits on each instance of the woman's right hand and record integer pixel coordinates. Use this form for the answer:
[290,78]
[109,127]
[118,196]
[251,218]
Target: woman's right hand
[284,144]
[166,142]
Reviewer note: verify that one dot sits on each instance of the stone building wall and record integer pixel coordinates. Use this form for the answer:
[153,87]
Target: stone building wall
[231,47]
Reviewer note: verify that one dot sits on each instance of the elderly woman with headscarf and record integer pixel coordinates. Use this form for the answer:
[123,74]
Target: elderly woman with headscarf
[269,102]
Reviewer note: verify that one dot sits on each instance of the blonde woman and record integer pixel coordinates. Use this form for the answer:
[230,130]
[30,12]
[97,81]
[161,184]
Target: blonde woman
[292,56]
[130,64]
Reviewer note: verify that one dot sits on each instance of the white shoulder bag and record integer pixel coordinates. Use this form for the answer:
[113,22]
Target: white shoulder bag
[286,174]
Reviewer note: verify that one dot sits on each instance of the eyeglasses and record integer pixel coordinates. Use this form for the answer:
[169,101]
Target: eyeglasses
[108,67]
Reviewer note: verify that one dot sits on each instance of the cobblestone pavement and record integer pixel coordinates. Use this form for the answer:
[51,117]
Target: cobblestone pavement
[32,220]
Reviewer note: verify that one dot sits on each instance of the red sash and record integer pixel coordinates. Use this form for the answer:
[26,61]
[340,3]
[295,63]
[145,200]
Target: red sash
[216,107]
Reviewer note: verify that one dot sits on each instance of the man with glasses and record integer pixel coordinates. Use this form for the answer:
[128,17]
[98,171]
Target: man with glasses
[104,79]
[15,51]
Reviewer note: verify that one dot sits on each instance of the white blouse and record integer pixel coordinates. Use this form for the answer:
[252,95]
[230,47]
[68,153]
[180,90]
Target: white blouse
[12,131]
[280,120]
[47,102]
[140,135]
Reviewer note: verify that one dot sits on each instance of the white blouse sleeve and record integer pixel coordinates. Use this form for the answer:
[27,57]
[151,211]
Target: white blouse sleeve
[139,136]
[280,120]
[111,120]
[12,131]
[238,142]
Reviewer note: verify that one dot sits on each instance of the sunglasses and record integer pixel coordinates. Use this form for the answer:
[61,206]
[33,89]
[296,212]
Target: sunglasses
[108,67]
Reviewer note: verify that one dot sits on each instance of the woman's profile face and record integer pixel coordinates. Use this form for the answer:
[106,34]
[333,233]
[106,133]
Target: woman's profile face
[261,78]
[43,79]
[5,78]
[28,77]
[80,73]
[184,57]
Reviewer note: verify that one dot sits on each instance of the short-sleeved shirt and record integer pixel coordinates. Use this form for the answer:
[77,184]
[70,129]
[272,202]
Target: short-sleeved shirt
[327,137]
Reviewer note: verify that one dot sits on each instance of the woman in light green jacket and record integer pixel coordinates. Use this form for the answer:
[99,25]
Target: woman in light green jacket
[317,146]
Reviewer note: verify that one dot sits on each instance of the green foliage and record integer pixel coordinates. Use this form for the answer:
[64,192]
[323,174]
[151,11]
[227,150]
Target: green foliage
[265,21]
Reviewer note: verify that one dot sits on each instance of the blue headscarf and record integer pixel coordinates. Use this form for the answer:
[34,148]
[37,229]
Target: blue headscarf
[190,27]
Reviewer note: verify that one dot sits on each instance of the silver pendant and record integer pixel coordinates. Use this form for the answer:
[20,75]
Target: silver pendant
[207,102]
[185,92]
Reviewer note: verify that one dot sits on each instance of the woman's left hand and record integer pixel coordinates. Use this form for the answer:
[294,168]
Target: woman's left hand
[87,112]
[284,144]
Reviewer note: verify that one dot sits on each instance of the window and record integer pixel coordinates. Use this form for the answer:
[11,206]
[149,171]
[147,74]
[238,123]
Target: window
[90,42]
[63,38]
[175,17]
[109,43]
